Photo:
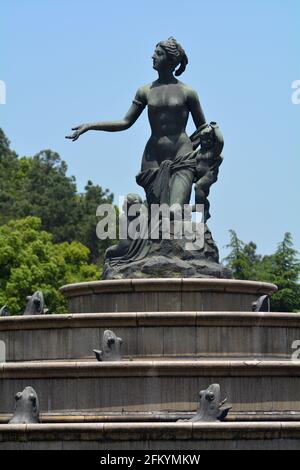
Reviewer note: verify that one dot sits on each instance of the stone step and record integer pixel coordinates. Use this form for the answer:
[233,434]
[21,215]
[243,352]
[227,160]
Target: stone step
[152,436]
[176,294]
[151,386]
[152,334]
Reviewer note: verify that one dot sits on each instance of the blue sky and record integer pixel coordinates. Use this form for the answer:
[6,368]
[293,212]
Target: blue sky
[66,62]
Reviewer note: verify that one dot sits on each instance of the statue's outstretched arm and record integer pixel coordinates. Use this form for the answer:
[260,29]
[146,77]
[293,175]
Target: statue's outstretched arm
[129,119]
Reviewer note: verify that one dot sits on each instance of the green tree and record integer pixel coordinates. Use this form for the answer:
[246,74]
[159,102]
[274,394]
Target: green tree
[242,259]
[30,261]
[39,186]
[283,269]
[4,144]
[93,196]
[9,181]
[48,193]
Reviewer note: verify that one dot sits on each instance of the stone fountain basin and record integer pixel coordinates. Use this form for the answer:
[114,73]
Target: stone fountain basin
[169,294]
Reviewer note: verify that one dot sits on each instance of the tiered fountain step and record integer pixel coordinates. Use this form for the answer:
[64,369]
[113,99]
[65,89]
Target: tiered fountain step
[151,436]
[153,335]
[156,295]
[180,335]
[151,386]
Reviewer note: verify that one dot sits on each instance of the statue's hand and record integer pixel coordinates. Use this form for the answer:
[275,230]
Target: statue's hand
[78,131]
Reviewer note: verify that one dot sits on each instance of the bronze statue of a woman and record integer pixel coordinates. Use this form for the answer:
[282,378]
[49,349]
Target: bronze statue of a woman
[168,156]
[171,163]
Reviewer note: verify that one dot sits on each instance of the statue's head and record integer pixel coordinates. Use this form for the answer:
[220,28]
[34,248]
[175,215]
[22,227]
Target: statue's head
[170,54]
[207,138]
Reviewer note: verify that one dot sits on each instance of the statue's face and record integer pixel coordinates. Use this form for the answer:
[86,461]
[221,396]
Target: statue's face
[160,58]
[207,142]
[207,138]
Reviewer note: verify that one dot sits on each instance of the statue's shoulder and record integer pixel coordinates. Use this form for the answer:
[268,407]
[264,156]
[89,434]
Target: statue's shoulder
[188,90]
[143,93]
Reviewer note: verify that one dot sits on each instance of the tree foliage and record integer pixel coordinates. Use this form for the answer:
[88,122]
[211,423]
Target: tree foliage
[87,204]
[39,186]
[242,259]
[30,261]
[284,272]
[47,229]
[281,268]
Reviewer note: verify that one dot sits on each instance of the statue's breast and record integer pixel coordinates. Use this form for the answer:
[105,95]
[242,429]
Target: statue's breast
[166,98]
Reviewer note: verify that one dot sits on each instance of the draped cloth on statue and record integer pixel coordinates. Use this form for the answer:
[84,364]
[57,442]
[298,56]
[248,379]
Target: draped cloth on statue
[138,248]
[156,181]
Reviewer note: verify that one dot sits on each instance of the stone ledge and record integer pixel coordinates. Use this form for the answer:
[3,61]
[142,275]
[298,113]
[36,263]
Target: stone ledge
[71,416]
[135,319]
[146,368]
[168,285]
[149,431]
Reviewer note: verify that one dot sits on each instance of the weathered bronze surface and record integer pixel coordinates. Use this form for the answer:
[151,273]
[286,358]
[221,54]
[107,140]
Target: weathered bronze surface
[172,162]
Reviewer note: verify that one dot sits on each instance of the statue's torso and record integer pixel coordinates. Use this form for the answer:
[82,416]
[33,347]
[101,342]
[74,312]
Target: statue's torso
[168,114]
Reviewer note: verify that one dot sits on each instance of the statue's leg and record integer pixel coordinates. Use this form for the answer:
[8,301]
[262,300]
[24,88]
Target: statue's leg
[181,183]
[201,198]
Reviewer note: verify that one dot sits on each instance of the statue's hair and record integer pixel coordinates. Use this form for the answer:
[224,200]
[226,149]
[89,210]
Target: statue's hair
[176,53]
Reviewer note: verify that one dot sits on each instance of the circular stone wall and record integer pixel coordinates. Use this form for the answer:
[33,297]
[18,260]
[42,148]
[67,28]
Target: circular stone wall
[164,295]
